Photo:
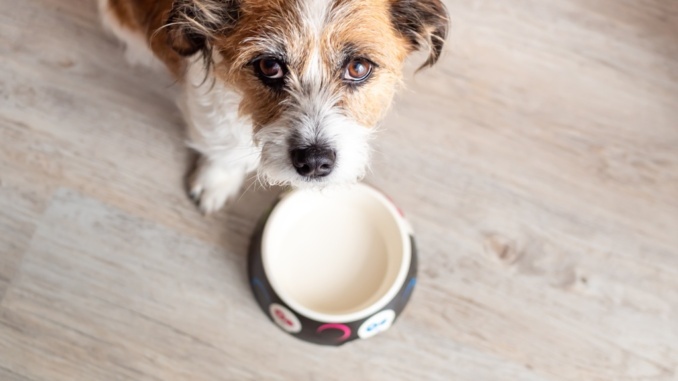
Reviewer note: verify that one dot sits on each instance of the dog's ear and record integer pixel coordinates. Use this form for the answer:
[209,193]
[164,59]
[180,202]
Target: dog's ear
[423,23]
[192,24]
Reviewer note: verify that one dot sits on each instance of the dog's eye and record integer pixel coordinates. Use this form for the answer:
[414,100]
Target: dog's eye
[270,68]
[357,70]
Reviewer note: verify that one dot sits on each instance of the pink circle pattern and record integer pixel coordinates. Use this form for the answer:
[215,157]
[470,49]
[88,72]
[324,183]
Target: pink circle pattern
[339,327]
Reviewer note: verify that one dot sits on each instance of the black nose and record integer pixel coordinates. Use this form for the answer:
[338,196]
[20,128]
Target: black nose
[313,161]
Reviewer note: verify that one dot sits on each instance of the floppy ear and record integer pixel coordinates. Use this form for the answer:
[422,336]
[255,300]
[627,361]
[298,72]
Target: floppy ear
[192,24]
[423,23]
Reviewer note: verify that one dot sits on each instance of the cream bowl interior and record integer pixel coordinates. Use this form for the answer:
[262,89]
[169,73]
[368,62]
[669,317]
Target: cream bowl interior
[336,255]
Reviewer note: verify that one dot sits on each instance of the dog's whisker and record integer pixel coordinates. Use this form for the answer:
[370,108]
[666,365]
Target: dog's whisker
[246,190]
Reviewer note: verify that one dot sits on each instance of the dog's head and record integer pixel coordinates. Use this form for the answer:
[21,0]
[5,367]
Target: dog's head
[316,75]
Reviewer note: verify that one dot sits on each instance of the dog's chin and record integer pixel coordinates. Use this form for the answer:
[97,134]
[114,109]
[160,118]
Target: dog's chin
[288,177]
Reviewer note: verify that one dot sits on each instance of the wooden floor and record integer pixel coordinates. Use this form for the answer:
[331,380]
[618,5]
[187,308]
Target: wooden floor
[538,163]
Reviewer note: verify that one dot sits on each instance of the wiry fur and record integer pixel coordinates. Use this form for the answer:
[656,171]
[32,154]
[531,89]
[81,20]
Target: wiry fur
[234,120]
[317,118]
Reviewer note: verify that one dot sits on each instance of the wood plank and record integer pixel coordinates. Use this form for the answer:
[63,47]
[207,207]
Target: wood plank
[22,201]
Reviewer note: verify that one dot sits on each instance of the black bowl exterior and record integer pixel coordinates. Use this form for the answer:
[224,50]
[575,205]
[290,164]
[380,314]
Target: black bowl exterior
[324,333]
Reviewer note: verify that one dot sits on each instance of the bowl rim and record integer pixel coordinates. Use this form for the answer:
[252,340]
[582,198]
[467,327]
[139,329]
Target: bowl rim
[385,299]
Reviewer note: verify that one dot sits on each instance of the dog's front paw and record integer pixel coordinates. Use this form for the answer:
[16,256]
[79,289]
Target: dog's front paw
[211,185]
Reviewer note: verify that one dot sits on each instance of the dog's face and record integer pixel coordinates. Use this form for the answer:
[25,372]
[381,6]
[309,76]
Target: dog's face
[316,76]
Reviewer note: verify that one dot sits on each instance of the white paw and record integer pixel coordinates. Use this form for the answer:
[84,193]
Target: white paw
[211,185]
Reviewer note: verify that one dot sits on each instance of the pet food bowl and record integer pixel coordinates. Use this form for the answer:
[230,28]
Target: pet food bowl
[333,266]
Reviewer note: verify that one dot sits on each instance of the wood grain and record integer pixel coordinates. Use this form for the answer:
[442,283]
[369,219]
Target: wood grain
[537,162]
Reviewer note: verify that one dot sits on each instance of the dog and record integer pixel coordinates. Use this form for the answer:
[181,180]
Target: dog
[291,88]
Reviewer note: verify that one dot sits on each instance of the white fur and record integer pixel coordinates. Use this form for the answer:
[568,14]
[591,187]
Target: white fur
[313,70]
[137,51]
[314,15]
[217,132]
[315,118]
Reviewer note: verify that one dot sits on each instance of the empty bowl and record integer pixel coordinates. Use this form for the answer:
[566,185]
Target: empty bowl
[333,266]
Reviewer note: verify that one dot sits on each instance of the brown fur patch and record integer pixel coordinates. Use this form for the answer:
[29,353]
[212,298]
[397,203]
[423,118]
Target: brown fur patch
[148,17]
[367,28]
